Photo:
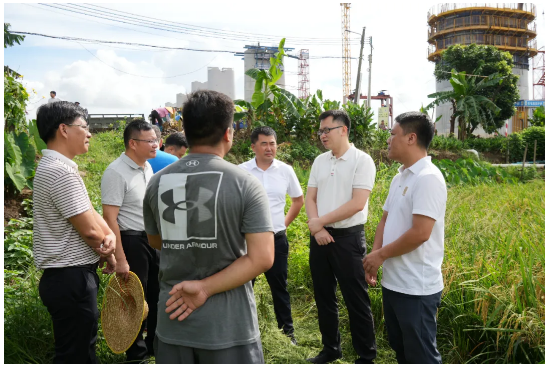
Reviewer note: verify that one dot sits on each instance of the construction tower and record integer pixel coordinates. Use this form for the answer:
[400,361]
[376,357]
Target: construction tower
[538,75]
[303,74]
[346,52]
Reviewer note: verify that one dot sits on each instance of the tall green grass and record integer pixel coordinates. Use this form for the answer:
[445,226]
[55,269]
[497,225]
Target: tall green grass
[492,307]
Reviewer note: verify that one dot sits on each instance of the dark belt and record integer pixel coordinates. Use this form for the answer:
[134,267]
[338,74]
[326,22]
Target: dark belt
[133,233]
[279,234]
[345,231]
[91,266]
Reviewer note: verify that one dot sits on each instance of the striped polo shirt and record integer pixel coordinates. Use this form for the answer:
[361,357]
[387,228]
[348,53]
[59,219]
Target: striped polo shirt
[59,193]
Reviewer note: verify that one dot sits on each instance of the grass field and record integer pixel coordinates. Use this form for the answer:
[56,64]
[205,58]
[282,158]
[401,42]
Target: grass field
[492,306]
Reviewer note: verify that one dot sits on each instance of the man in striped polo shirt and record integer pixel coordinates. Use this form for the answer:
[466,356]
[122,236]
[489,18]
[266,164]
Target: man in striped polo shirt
[70,237]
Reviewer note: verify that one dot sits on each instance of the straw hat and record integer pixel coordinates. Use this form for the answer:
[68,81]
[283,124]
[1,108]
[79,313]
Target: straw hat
[124,308]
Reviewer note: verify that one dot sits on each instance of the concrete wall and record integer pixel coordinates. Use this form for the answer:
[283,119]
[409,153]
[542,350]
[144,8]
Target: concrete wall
[222,81]
[181,98]
[196,85]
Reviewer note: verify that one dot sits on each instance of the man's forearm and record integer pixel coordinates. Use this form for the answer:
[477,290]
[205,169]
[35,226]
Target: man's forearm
[292,213]
[378,240]
[311,208]
[113,224]
[236,274]
[341,213]
[102,223]
[408,242]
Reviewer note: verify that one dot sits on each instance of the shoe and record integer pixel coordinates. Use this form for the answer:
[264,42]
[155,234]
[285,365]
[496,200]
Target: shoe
[325,357]
[292,339]
[361,360]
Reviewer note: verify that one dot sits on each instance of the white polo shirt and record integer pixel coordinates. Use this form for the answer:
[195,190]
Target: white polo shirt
[335,179]
[419,189]
[278,180]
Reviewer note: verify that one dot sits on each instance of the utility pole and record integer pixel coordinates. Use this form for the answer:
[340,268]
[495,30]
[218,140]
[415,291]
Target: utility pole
[358,78]
[370,74]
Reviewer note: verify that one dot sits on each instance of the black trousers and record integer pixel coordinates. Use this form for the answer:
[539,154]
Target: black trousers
[411,326]
[342,260]
[144,262]
[156,119]
[70,295]
[277,278]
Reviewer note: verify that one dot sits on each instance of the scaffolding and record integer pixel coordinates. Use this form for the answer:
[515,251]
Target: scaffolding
[538,75]
[303,74]
[346,50]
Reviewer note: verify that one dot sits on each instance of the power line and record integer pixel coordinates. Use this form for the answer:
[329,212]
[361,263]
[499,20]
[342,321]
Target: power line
[142,44]
[143,22]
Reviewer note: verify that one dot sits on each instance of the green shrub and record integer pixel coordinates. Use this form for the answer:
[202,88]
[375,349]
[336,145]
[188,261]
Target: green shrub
[493,144]
[468,171]
[517,141]
[446,143]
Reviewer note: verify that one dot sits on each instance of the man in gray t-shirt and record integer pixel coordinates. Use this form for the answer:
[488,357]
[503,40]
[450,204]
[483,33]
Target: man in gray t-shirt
[211,222]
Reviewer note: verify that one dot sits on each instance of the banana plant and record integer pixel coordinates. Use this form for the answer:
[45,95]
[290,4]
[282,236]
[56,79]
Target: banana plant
[19,161]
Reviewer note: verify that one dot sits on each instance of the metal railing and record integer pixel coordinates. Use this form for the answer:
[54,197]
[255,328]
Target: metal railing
[442,8]
[483,39]
[481,20]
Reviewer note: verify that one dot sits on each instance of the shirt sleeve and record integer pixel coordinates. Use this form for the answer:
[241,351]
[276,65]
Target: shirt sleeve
[150,224]
[112,188]
[256,215]
[294,187]
[429,197]
[69,195]
[364,177]
[313,179]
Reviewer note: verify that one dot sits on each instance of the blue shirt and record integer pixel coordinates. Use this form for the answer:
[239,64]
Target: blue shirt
[161,160]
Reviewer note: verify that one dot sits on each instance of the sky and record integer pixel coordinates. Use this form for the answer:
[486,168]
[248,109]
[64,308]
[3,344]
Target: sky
[131,79]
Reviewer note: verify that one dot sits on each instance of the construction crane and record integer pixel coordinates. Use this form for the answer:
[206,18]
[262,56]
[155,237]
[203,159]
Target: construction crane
[346,51]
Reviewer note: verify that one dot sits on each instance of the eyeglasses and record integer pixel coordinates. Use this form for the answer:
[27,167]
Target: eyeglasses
[85,127]
[327,130]
[148,141]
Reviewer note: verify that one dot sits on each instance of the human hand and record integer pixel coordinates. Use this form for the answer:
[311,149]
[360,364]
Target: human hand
[108,246]
[185,297]
[371,279]
[122,269]
[323,237]
[373,261]
[110,264]
[314,225]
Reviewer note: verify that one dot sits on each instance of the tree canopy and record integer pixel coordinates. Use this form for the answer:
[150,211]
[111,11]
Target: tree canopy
[490,61]
[9,38]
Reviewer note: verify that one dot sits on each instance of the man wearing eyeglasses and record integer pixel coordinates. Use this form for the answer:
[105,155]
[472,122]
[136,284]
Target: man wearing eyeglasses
[337,207]
[70,238]
[123,187]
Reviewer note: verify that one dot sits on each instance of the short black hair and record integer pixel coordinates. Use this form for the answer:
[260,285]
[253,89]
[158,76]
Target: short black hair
[49,116]
[338,115]
[136,125]
[207,115]
[263,130]
[176,139]
[54,92]
[418,123]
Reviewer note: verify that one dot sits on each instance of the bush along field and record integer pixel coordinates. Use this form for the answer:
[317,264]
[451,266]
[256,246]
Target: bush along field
[492,308]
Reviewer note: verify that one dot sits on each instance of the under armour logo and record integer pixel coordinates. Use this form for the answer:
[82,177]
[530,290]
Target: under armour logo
[203,197]
[192,163]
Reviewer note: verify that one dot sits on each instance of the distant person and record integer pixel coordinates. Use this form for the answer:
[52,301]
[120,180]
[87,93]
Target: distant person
[409,243]
[77,103]
[162,159]
[337,207]
[53,98]
[164,114]
[176,144]
[123,186]
[70,237]
[278,179]
[156,119]
[382,126]
[211,221]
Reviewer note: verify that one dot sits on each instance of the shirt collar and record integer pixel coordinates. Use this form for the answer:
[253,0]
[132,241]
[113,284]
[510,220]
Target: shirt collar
[127,160]
[254,165]
[417,166]
[344,156]
[57,155]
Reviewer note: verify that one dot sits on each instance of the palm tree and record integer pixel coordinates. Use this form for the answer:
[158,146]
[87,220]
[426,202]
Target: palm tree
[467,103]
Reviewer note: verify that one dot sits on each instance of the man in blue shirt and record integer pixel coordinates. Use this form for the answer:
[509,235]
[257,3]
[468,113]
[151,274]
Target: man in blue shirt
[162,159]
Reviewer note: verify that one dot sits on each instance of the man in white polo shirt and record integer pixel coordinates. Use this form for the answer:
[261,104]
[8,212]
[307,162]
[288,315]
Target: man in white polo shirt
[123,186]
[337,207]
[70,237]
[278,180]
[409,242]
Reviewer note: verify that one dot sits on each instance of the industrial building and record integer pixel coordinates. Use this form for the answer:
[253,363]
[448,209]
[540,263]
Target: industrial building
[222,81]
[508,26]
[257,57]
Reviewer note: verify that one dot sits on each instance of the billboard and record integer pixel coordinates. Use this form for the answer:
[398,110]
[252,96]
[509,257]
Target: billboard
[383,117]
